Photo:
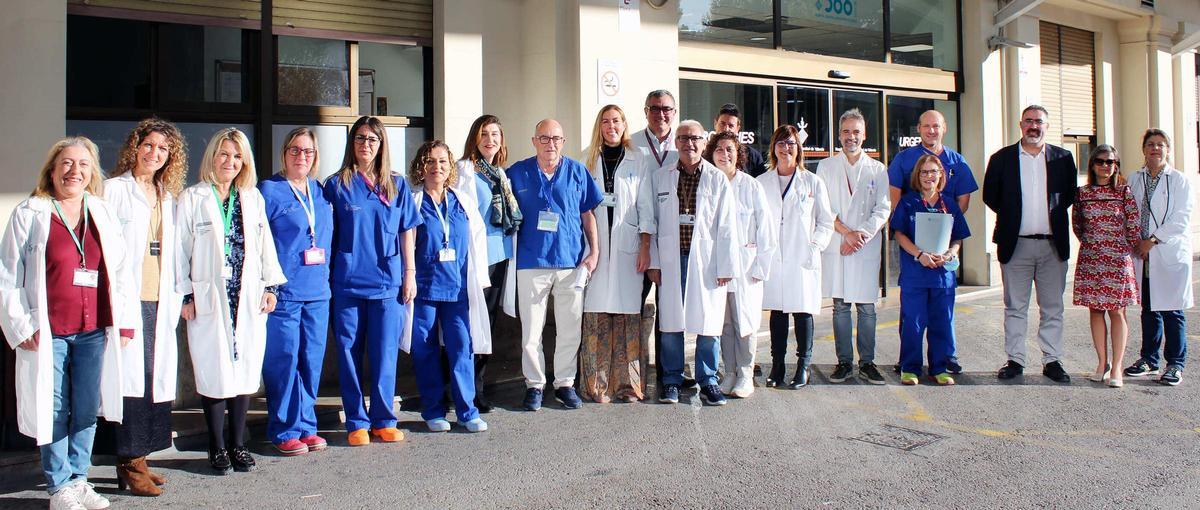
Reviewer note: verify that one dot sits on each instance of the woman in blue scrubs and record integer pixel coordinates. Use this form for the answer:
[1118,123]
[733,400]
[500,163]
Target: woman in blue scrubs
[450,264]
[302,224]
[372,277]
[927,280]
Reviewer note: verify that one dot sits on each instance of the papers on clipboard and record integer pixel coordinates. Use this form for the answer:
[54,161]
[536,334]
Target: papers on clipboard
[933,231]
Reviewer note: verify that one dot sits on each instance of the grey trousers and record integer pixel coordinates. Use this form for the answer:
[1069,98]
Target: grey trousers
[1034,262]
[843,328]
[737,352]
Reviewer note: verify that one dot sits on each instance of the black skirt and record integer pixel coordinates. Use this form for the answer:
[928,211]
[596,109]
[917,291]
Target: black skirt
[146,427]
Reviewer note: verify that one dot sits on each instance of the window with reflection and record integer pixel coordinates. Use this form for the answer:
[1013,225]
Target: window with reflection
[808,109]
[868,104]
[740,22]
[203,64]
[925,33]
[313,72]
[839,28]
[904,115]
[109,60]
[391,79]
[702,99]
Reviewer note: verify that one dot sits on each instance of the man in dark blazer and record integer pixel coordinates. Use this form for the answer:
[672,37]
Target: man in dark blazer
[1030,185]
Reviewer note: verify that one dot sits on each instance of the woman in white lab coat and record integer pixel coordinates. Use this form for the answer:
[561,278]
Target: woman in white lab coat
[610,355]
[1165,200]
[149,174]
[757,237]
[798,198]
[60,307]
[227,271]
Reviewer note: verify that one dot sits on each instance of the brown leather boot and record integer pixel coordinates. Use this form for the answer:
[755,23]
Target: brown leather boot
[132,473]
[154,477]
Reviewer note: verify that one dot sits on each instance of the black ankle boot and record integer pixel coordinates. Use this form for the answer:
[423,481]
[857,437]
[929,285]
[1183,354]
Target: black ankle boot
[776,376]
[219,460]
[800,380]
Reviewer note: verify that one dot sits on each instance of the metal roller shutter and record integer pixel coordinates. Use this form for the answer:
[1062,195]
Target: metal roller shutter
[1068,81]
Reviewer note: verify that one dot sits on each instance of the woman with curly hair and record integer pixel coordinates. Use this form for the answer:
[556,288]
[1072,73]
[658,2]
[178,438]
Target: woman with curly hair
[149,174]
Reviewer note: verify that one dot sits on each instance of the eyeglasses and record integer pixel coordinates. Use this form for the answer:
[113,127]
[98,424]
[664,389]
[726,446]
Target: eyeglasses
[296,151]
[545,140]
[930,171]
[786,144]
[689,138]
[1033,122]
[1106,162]
[661,109]
[368,140]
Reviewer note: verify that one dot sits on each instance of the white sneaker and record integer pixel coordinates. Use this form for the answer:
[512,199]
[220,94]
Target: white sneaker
[727,382]
[88,497]
[476,425]
[66,499]
[743,388]
[438,425]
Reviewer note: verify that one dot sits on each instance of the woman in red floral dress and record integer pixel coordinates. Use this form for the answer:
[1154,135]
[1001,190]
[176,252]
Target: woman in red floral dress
[1105,219]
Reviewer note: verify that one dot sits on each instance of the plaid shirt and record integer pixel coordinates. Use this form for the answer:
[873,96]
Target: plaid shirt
[686,192]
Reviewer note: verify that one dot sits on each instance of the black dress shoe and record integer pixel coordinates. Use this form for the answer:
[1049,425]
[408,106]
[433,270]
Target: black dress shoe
[777,375]
[1010,370]
[482,404]
[243,462]
[1054,370]
[800,380]
[219,460]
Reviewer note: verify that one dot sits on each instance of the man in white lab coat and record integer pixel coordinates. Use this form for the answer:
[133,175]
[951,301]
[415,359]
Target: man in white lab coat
[858,196]
[693,240]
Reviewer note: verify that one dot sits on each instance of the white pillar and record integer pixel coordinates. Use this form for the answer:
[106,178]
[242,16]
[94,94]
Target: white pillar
[457,70]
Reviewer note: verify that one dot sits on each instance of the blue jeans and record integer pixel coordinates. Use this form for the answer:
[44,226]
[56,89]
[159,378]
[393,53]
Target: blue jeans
[78,359]
[842,328]
[1157,326]
[708,348]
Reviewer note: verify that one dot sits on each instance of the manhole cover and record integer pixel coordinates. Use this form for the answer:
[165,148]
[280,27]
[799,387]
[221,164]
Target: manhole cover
[899,438]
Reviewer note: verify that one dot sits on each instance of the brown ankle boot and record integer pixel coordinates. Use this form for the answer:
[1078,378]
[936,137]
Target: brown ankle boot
[132,473]
[154,477]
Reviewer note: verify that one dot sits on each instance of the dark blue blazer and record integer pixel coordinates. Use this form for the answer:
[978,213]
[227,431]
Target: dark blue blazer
[1002,194]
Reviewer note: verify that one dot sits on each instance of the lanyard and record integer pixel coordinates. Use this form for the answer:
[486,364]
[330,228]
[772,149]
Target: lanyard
[310,211]
[226,212]
[442,217]
[1146,196]
[789,185]
[78,240]
[378,191]
[544,181]
[939,206]
[654,147]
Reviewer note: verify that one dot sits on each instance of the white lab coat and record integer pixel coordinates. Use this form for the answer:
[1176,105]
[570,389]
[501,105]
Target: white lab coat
[23,311]
[477,280]
[713,253]
[616,285]
[642,141]
[757,238]
[201,255]
[1171,260]
[806,226]
[854,278]
[129,204]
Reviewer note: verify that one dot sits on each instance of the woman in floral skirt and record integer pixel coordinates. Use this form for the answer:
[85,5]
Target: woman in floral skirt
[1105,219]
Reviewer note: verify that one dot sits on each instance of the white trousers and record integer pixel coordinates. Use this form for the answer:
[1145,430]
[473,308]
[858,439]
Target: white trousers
[534,288]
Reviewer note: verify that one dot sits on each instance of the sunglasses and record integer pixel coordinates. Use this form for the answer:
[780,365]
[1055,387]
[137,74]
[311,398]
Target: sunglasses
[1106,162]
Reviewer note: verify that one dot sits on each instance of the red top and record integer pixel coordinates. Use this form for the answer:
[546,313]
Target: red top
[74,309]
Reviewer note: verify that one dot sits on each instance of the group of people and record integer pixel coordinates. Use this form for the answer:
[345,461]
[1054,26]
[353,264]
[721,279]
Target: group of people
[423,259]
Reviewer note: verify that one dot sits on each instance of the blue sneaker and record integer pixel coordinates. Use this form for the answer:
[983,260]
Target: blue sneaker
[533,399]
[669,395]
[711,395]
[567,397]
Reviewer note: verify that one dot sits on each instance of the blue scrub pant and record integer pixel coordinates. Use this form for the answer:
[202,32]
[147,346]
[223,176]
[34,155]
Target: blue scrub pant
[926,309]
[296,334]
[1165,329]
[372,325]
[78,360]
[708,348]
[452,318]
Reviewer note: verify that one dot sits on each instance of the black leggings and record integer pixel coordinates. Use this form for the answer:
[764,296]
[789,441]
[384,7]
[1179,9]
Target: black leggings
[214,414]
[778,324]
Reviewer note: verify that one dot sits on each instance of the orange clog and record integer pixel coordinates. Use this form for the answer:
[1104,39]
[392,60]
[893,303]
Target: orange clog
[388,434]
[359,438]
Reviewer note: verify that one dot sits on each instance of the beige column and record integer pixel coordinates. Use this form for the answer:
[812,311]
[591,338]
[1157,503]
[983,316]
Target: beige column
[457,70]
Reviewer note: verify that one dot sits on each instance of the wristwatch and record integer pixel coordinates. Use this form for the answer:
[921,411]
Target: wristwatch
[1155,240]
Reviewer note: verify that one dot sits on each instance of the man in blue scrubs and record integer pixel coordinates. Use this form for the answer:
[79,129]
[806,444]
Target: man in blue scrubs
[960,181]
[556,196]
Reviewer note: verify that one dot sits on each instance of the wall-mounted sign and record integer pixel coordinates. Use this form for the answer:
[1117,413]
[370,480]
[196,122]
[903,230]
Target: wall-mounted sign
[629,15]
[608,82]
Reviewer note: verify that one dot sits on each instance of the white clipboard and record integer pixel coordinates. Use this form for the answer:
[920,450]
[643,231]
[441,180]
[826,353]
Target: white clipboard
[932,232]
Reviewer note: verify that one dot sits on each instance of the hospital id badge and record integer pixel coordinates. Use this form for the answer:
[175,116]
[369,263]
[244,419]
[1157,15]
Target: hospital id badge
[547,221]
[447,255]
[610,200]
[86,278]
[226,272]
[314,256]
[155,248]
[687,219]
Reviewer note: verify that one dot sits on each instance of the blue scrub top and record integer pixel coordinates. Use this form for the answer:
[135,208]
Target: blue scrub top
[904,219]
[289,228]
[959,179]
[367,262]
[499,246]
[437,280]
[571,192]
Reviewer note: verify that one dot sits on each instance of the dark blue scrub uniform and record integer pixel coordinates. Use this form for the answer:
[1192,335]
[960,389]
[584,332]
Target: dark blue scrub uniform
[297,329]
[442,304]
[959,179]
[367,271]
[926,295]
